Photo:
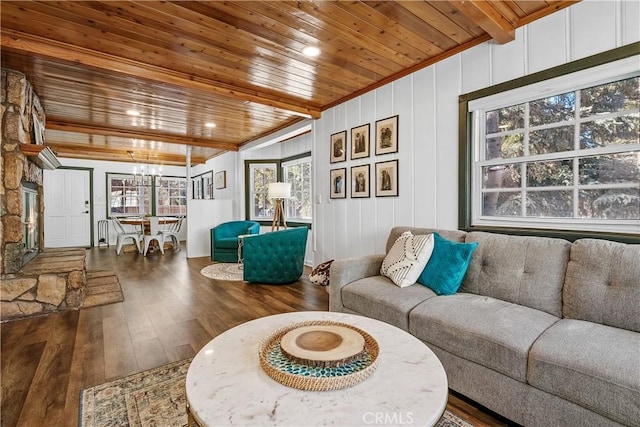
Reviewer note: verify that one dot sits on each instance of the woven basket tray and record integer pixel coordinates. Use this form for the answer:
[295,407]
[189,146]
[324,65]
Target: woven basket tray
[304,377]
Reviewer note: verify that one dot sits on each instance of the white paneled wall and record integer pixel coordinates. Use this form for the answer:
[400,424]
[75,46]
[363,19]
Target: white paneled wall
[427,104]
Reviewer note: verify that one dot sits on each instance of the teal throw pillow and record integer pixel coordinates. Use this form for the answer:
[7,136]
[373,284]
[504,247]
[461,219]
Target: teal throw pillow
[447,266]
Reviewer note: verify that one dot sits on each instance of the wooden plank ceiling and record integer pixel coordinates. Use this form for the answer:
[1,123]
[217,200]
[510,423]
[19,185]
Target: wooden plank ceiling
[237,64]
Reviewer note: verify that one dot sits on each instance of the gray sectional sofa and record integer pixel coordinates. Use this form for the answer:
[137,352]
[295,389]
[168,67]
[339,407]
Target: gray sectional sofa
[543,331]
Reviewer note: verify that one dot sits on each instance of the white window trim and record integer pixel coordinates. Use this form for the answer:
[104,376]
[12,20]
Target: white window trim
[617,70]
[252,167]
[294,162]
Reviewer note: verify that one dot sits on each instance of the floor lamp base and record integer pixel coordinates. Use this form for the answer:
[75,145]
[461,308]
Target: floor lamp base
[279,213]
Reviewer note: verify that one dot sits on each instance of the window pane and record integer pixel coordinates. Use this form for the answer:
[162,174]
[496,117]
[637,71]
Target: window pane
[298,206]
[503,147]
[502,176]
[551,140]
[550,204]
[547,174]
[503,203]
[616,130]
[611,97]
[505,119]
[262,206]
[610,204]
[611,169]
[552,109]
[128,196]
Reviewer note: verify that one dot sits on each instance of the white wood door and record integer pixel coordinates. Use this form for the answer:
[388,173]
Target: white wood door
[67,208]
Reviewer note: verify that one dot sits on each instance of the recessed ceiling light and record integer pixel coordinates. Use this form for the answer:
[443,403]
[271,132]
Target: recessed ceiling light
[133,112]
[311,51]
[210,124]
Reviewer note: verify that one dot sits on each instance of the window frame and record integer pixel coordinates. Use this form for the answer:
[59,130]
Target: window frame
[279,177]
[292,161]
[157,188]
[153,189]
[467,150]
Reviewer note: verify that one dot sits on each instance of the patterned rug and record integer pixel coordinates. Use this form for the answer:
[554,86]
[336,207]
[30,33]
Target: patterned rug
[155,398]
[222,271]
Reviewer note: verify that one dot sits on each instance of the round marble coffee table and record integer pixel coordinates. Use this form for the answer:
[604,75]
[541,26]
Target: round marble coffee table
[226,386]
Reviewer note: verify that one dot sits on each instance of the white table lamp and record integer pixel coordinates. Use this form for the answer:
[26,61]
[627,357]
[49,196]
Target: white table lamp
[279,191]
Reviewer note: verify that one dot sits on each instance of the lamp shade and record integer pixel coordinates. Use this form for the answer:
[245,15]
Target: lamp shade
[279,190]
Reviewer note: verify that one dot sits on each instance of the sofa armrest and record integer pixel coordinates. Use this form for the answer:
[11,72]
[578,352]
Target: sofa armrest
[345,271]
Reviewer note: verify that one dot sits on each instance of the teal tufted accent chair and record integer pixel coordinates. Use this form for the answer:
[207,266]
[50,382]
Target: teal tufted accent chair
[276,257]
[224,239]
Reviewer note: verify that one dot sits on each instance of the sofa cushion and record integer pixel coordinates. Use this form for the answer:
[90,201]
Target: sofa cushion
[447,266]
[520,269]
[592,365]
[493,333]
[603,283]
[407,258]
[379,298]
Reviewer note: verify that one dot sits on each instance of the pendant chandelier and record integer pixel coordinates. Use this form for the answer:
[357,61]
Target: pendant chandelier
[143,170]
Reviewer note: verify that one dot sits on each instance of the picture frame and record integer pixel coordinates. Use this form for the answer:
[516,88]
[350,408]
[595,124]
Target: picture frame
[38,130]
[221,180]
[207,185]
[360,181]
[338,186]
[387,135]
[196,187]
[338,147]
[360,142]
[387,179]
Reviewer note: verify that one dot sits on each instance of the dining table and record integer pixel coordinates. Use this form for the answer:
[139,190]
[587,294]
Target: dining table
[145,223]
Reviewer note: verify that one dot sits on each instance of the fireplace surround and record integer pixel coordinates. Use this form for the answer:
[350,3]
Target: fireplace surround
[31,282]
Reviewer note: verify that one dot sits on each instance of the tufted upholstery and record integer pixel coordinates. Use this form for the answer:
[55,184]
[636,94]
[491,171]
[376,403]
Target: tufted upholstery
[224,239]
[520,269]
[276,257]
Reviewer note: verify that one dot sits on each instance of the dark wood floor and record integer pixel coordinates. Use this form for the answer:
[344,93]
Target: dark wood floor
[170,311]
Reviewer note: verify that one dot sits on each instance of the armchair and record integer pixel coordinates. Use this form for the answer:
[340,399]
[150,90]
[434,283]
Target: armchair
[224,239]
[276,257]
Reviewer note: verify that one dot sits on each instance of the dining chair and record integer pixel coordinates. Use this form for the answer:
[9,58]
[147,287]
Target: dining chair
[171,232]
[124,234]
[154,234]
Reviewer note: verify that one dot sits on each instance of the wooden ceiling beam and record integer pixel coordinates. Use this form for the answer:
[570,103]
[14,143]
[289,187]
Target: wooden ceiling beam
[82,151]
[484,15]
[149,135]
[31,44]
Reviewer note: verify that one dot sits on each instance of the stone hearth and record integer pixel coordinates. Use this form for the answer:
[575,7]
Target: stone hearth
[55,280]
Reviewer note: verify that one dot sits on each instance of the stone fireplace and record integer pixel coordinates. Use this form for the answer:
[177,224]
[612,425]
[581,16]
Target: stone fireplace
[32,282]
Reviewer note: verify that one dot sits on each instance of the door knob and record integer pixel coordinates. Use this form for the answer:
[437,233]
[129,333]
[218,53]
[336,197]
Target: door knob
[85,212]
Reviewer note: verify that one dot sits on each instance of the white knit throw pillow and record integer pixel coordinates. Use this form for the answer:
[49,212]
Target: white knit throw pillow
[407,258]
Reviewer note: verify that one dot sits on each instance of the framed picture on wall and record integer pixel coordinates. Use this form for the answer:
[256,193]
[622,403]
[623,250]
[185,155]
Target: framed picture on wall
[387,135]
[196,187]
[339,147]
[360,181]
[387,179]
[207,185]
[360,142]
[221,180]
[338,183]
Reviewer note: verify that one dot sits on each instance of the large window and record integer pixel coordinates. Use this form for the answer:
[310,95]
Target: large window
[171,196]
[127,196]
[260,207]
[134,196]
[298,173]
[560,154]
[294,170]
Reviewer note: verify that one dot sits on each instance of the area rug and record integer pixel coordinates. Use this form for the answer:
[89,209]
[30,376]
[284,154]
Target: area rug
[222,271]
[155,398]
